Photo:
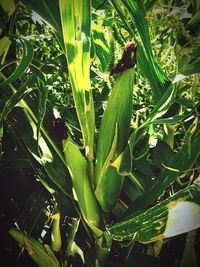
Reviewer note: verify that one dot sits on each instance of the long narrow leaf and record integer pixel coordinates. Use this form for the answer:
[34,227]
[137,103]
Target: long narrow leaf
[178,214]
[14,100]
[24,126]
[101,46]
[123,162]
[56,241]
[5,42]
[137,12]
[180,163]
[113,137]
[78,168]
[43,93]
[24,63]
[40,253]
[160,109]
[8,7]
[49,11]
[26,88]
[75,18]
[173,119]
[190,69]
[162,106]
[25,130]
[146,61]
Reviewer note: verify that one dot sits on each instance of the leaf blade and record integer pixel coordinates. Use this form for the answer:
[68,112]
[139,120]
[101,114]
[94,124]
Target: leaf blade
[24,63]
[163,220]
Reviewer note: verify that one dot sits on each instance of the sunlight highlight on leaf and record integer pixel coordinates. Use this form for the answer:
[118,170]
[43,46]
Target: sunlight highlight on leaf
[75,18]
[24,63]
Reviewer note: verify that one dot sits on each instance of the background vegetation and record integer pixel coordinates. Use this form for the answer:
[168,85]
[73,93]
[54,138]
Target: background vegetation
[79,190]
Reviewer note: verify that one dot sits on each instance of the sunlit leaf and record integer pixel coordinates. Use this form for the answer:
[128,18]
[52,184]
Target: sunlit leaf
[157,78]
[78,168]
[41,254]
[23,90]
[5,42]
[182,162]
[75,19]
[178,214]
[24,63]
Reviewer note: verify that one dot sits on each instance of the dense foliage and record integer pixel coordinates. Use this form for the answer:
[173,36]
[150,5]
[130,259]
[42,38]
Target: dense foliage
[100,133]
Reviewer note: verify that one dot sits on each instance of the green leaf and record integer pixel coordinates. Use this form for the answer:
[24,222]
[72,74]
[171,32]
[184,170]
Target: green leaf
[158,83]
[178,214]
[190,69]
[23,90]
[112,140]
[189,256]
[99,4]
[4,44]
[174,119]
[78,168]
[132,188]
[123,162]
[139,137]
[101,46]
[42,255]
[149,4]
[75,19]
[73,225]
[142,147]
[145,167]
[55,234]
[137,12]
[180,163]
[159,110]
[109,188]
[162,154]
[103,247]
[117,113]
[49,11]
[25,128]
[14,100]
[146,61]
[193,23]
[8,6]
[35,211]
[24,63]
[162,106]
[43,93]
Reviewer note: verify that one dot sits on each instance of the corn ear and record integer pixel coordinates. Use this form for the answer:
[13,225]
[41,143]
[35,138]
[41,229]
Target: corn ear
[55,234]
[112,140]
[42,255]
[78,168]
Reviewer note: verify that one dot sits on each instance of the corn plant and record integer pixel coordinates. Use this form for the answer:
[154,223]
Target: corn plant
[115,144]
